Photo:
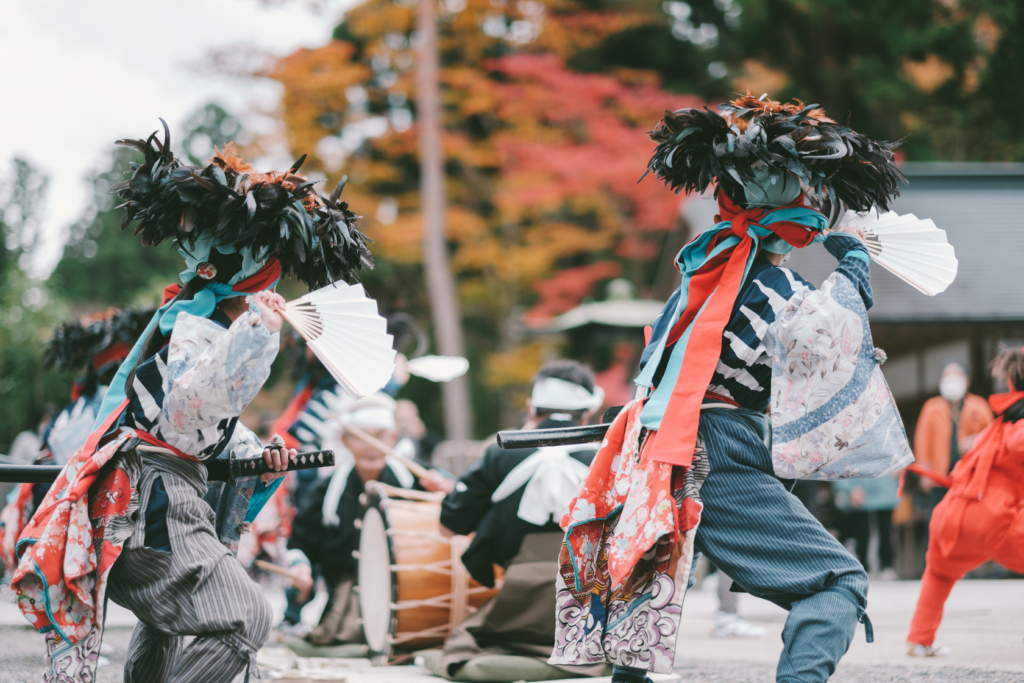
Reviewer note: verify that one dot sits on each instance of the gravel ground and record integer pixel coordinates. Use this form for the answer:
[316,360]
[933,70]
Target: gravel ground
[22,652]
[21,655]
[745,672]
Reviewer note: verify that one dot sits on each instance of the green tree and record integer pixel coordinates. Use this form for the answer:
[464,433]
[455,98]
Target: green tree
[28,310]
[943,73]
[101,266]
[208,127]
[22,198]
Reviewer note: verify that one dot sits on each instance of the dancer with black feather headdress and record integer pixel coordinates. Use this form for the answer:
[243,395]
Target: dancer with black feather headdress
[96,344]
[684,468]
[126,518]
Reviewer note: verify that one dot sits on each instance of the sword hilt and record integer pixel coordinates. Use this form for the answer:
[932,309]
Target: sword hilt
[233,468]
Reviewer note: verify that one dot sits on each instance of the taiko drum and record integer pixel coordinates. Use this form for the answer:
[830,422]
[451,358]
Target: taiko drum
[413,587]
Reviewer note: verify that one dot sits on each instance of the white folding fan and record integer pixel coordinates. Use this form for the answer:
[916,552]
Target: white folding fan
[342,327]
[912,249]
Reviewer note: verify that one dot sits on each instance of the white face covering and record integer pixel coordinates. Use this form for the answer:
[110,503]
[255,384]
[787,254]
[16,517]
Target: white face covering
[953,387]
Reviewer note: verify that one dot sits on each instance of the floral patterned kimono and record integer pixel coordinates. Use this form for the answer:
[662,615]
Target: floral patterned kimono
[183,409]
[630,532]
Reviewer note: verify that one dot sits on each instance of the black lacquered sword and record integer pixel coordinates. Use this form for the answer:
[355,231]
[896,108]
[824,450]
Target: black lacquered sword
[229,469]
[559,436]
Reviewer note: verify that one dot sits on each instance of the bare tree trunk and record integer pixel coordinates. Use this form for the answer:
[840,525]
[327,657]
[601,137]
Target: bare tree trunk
[444,303]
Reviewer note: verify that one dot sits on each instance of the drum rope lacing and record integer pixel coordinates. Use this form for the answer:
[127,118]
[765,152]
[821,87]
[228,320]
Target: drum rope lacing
[443,601]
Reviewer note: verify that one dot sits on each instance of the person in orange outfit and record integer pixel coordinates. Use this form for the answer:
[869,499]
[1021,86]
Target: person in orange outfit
[982,516]
[947,427]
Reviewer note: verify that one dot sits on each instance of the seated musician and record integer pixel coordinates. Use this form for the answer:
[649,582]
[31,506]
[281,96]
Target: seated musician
[325,528]
[512,500]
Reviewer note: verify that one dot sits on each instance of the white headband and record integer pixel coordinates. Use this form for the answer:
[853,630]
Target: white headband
[371,418]
[376,411]
[552,393]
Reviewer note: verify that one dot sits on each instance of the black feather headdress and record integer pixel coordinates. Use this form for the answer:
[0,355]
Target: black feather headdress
[75,345]
[271,214]
[698,147]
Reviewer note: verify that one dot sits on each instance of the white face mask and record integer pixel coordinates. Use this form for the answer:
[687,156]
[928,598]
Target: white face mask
[953,387]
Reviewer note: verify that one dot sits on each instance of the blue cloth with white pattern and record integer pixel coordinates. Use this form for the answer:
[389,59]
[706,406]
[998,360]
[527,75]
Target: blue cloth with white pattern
[744,371]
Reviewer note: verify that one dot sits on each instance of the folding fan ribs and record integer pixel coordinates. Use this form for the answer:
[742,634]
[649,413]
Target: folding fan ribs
[914,250]
[342,327]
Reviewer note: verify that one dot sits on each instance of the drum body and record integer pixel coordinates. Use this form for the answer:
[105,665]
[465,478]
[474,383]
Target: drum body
[413,587]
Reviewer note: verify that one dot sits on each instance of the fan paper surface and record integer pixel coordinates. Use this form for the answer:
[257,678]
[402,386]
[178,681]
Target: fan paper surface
[343,328]
[914,250]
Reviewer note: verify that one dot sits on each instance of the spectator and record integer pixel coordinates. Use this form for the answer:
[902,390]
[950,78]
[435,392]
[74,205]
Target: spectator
[325,528]
[947,427]
[859,501]
[512,501]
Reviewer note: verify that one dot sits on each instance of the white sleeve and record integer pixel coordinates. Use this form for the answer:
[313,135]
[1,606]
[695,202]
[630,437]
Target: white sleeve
[213,374]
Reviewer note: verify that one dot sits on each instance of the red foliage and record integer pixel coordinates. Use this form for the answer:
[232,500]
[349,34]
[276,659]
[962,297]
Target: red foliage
[606,148]
[567,287]
[580,140]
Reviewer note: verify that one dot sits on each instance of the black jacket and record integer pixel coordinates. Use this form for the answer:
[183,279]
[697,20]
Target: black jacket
[499,531]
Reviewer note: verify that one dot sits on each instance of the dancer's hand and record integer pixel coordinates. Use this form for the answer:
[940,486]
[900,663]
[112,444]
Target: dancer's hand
[852,230]
[277,458]
[269,304]
[435,481]
[302,580]
[857,497]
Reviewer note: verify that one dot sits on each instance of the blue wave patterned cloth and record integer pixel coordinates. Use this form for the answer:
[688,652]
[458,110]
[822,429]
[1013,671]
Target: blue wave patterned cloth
[833,416]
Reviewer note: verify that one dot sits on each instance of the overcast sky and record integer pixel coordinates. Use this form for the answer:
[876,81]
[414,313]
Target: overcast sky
[76,75]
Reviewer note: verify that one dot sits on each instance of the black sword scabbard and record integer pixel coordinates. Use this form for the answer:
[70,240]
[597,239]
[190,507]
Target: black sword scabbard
[217,470]
[29,474]
[559,436]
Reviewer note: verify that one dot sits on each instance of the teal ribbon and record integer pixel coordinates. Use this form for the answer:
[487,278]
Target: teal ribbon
[261,495]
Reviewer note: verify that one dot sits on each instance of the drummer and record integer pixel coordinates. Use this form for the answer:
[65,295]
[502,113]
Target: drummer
[512,501]
[325,528]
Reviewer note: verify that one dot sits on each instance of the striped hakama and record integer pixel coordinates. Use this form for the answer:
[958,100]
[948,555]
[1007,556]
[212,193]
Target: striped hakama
[196,587]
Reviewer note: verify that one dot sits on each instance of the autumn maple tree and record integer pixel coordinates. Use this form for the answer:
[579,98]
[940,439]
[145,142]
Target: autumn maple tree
[541,162]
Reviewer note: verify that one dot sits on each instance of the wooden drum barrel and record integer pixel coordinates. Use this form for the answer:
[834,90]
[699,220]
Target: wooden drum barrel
[413,587]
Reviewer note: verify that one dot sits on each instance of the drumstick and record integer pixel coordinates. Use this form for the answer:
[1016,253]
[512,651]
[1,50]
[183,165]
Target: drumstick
[411,494]
[274,569]
[420,471]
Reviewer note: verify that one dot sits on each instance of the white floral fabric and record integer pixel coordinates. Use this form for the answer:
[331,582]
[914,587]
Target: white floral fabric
[210,374]
[833,416]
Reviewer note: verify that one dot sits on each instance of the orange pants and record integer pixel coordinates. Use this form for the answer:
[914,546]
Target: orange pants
[990,529]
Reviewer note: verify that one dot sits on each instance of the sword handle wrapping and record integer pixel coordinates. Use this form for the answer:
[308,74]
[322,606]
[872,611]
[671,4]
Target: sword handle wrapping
[236,468]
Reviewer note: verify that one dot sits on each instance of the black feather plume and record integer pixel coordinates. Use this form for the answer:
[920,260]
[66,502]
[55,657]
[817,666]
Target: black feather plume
[699,147]
[272,214]
[74,344]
